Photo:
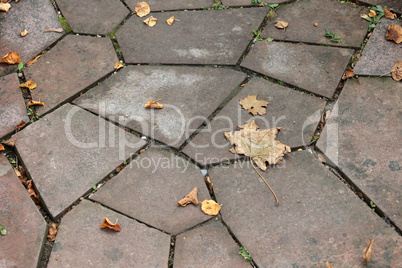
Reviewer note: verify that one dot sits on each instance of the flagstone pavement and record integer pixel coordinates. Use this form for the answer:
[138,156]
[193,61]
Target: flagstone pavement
[93,151]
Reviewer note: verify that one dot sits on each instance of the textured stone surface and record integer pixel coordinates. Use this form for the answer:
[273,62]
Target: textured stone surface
[363,139]
[68,151]
[209,245]
[33,15]
[314,68]
[379,55]
[249,3]
[12,105]
[189,95]
[318,218]
[158,5]
[295,112]
[396,5]
[80,242]
[24,224]
[72,65]
[342,19]
[150,187]
[195,39]
[93,16]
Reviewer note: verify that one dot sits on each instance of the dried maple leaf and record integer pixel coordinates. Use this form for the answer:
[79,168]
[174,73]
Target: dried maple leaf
[32,103]
[372,14]
[394,33]
[1,147]
[190,198]
[396,71]
[170,20]
[210,207]
[19,126]
[281,24]
[11,58]
[29,84]
[5,7]
[118,65]
[368,251]
[153,105]
[142,9]
[389,14]
[108,224]
[348,74]
[254,106]
[52,232]
[33,60]
[54,29]
[151,21]
[24,33]
[9,142]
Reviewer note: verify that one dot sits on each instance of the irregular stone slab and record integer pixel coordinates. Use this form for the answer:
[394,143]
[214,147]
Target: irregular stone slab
[189,95]
[396,5]
[72,150]
[72,65]
[12,105]
[25,226]
[341,18]
[149,188]
[93,16]
[318,219]
[362,137]
[209,244]
[80,241]
[236,3]
[379,55]
[33,15]
[314,68]
[295,112]
[183,42]
[158,5]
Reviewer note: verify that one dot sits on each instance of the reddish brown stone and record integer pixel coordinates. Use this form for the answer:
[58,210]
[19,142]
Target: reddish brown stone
[12,105]
[22,244]
[158,5]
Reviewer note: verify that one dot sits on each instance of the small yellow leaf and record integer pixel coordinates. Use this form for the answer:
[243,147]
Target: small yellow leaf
[142,9]
[11,58]
[364,16]
[24,33]
[281,24]
[210,207]
[170,20]
[29,84]
[32,103]
[118,65]
[153,105]
[368,251]
[254,106]
[372,14]
[151,21]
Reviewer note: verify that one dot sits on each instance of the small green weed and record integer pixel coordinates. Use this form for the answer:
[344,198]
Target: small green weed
[334,38]
[257,35]
[94,186]
[243,252]
[3,231]
[20,66]
[32,114]
[374,20]
[372,205]
[218,5]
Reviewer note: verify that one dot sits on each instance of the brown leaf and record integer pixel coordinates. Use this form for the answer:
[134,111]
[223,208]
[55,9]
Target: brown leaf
[54,29]
[108,224]
[11,58]
[328,265]
[389,14]
[153,105]
[5,7]
[19,126]
[315,24]
[9,142]
[151,21]
[170,20]
[261,146]
[190,198]
[52,232]
[118,65]
[1,147]
[32,192]
[394,33]
[281,24]
[348,74]
[210,207]
[32,103]
[24,33]
[18,173]
[142,9]
[254,106]
[29,84]
[372,14]
[368,251]
[209,184]
[396,71]
[33,60]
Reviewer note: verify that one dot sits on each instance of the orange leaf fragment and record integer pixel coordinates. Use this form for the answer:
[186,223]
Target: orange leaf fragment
[372,14]
[32,103]
[328,265]
[54,29]
[210,207]
[118,65]
[11,58]
[170,20]
[20,125]
[52,232]
[33,60]
[153,105]
[396,71]
[29,84]
[5,7]
[32,192]
[394,33]
[151,21]
[254,106]
[368,251]
[18,173]
[348,74]
[24,33]
[389,14]
[142,9]
[190,198]
[316,24]
[108,224]
[281,24]
[1,147]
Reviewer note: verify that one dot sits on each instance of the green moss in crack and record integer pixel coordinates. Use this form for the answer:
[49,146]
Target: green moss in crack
[67,28]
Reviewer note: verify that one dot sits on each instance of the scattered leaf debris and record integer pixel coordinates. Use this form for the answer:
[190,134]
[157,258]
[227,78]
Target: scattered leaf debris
[5,7]
[394,33]
[153,105]
[368,251]
[118,65]
[396,71]
[151,21]
[210,207]
[348,74]
[20,125]
[1,147]
[18,173]
[11,58]
[29,84]
[281,24]
[24,33]
[54,29]
[254,106]
[9,142]
[32,192]
[190,198]
[108,224]
[142,9]
[170,20]
[389,14]
[52,232]
[32,103]
[33,60]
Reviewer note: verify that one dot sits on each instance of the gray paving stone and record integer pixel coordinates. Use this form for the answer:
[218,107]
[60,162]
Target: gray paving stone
[26,228]
[314,68]
[209,245]
[72,65]
[158,5]
[195,39]
[236,3]
[189,95]
[93,16]
[379,55]
[80,242]
[363,137]
[396,5]
[318,219]
[68,151]
[149,188]
[12,105]
[33,15]
[296,112]
[341,18]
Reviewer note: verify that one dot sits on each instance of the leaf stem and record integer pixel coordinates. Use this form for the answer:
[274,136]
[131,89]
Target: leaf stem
[277,201]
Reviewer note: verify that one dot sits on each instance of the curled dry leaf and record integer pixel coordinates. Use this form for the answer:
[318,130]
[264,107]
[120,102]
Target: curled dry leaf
[9,142]
[24,33]
[18,173]
[32,103]
[33,60]
[108,224]
[316,24]
[153,105]
[11,58]
[54,29]
[372,14]
[52,232]
[32,192]
[389,14]
[20,125]
[5,7]
[348,74]
[210,207]
[254,106]
[151,21]
[396,71]
[170,20]
[29,84]
[281,24]
[368,251]
[142,9]
[1,147]
[190,198]
[118,65]
[394,33]
[209,184]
